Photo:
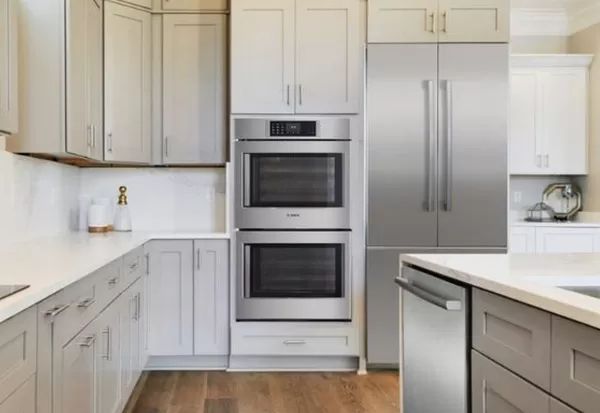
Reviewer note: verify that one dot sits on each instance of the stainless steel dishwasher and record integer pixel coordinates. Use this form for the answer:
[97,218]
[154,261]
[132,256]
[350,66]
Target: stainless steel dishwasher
[434,354]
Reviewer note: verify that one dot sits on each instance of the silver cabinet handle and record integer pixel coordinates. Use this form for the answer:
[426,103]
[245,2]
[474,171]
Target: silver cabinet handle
[113,281]
[87,303]
[431,155]
[107,333]
[198,258]
[166,146]
[147,263]
[547,161]
[89,136]
[449,145]
[288,95]
[55,311]
[93,136]
[88,341]
[445,18]
[109,142]
[294,342]
[137,307]
[450,305]
[300,95]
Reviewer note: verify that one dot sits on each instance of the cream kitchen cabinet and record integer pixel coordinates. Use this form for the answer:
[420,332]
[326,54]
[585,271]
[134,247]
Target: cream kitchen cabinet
[61,106]
[9,110]
[282,65]
[194,89]
[147,4]
[445,21]
[128,84]
[211,297]
[194,5]
[549,115]
[108,376]
[171,299]
[131,336]
[567,240]
[22,400]
[522,240]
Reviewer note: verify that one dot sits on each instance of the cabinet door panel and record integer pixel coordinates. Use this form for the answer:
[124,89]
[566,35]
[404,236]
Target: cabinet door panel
[522,240]
[564,116]
[525,148]
[262,56]
[22,400]
[474,21]
[171,304]
[109,361]
[128,83]
[497,390]
[211,297]
[95,78]
[558,407]
[328,59]
[403,21]
[9,117]
[194,4]
[567,240]
[194,89]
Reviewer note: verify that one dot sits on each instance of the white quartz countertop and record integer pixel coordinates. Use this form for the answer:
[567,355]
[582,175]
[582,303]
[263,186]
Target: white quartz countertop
[528,278]
[48,265]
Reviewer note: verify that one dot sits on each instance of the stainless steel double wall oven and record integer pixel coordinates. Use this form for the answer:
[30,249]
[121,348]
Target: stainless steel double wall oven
[292,212]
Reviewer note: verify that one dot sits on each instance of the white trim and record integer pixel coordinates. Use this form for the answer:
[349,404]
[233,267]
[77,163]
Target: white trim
[584,18]
[551,60]
[292,363]
[539,22]
[187,363]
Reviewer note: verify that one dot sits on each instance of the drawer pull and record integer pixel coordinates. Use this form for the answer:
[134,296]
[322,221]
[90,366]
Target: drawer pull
[88,341]
[113,281]
[108,355]
[294,342]
[87,303]
[55,311]
[133,266]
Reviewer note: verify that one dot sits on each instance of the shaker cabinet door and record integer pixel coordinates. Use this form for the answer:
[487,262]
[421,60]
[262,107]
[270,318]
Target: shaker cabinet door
[262,56]
[22,400]
[109,361]
[9,117]
[403,21]
[95,77]
[128,87]
[328,59]
[474,21]
[188,5]
[194,89]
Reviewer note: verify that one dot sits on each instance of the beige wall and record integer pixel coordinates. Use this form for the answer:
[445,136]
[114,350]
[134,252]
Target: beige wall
[539,44]
[588,41]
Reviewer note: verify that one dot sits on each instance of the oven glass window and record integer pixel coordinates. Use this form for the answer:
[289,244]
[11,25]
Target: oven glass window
[295,180]
[292,271]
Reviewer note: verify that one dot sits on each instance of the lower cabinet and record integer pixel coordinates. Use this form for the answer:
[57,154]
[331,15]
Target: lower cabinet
[130,336]
[554,239]
[188,298]
[558,407]
[497,390]
[109,360]
[22,400]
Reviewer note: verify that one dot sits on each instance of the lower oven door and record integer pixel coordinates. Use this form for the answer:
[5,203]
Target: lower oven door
[292,185]
[293,276]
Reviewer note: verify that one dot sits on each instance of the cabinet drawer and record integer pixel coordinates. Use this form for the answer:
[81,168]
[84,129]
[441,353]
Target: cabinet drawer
[21,401]
[110,281]
[513,334]
[18,340]
[133,265]
[497,390]
[576,364]
[276,345]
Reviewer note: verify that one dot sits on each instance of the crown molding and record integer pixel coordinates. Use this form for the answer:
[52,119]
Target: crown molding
[539,22]
[584,17]
[551,60]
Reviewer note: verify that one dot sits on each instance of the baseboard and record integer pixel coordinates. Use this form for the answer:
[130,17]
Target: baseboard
[383,366]
[292,363]
[187,363]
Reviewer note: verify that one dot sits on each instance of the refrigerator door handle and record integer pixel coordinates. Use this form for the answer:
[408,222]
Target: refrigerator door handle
[431,156]
[449,144]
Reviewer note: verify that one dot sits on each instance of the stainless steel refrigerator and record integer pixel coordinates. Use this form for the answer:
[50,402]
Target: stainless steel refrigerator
[437,165]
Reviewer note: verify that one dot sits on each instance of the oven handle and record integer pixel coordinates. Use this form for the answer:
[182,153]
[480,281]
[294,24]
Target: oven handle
[246,187]
[449,305]
[246,271]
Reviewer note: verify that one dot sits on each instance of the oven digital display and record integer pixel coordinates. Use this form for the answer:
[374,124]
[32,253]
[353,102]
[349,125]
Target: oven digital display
[293,128]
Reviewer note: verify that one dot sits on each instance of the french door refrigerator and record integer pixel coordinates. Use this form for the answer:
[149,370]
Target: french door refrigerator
[437,165]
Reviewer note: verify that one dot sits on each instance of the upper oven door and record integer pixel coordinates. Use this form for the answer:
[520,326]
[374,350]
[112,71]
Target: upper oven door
[293,275]
[292,185]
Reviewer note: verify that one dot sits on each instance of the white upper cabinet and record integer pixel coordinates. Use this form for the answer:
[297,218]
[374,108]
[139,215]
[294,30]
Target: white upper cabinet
[432,21]
[328,59]
[128,84]
[194,89]
[262,56]
[549,115]
[403,21]
[182,5]
[9,117]
[282,65]
[147,4]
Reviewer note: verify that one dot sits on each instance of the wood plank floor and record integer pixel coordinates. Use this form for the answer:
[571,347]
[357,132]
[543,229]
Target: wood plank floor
[220,392]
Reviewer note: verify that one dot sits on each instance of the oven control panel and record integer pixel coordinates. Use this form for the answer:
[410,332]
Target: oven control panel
[293,128]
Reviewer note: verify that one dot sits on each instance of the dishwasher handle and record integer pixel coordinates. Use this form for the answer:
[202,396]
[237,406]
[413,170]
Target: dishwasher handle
[449,305]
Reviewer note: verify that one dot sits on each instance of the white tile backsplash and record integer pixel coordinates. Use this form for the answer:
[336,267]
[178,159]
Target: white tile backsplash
[526,191]
[164,199]
[37,198]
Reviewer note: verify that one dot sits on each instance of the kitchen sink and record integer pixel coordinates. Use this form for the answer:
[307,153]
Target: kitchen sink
[7,290]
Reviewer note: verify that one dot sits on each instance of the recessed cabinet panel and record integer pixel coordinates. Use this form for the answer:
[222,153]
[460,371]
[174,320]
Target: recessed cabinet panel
[109,361]
[558,407]
[327,60]
[171,306]
[128,84]
[22,400]
[262,57]
[474,21]
[9,116]
[525,128]
[142,3]
[194,70]
[552,240]
[403,21]
[194,4]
